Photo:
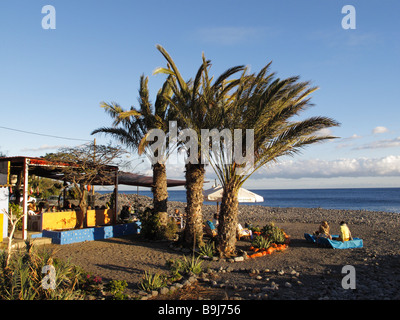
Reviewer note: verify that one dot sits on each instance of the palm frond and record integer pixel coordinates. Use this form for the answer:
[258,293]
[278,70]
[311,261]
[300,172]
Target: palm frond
[175,70]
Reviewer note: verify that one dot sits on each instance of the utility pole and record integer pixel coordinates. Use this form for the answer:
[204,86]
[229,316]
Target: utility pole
[94,158]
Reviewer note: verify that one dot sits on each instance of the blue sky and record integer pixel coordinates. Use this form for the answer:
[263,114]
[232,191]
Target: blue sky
[52,81]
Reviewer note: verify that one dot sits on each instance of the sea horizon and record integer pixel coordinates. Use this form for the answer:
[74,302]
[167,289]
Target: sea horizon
[386,199]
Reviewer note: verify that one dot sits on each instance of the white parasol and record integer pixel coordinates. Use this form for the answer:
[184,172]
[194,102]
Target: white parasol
[244,195]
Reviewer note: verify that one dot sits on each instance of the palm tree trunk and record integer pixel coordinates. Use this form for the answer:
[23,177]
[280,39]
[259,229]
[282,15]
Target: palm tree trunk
[194,196]
[228,221]
[160,193]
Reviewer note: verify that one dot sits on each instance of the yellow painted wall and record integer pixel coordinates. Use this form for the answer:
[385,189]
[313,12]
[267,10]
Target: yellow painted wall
[1,227]
[99,217]
[67,219]
[58,220]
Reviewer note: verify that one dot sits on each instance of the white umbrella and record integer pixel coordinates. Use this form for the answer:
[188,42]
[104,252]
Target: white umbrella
[244,195]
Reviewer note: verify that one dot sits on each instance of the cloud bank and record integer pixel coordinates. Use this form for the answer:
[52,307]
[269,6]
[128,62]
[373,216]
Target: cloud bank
[44,147]
[363,167]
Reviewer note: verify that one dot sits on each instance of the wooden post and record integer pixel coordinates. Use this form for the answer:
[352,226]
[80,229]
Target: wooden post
[94,162]
[25,200]
[64,192]
[137,200]
[116,196]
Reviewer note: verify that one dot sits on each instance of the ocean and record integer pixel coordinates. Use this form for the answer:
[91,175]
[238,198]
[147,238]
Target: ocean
[371,199]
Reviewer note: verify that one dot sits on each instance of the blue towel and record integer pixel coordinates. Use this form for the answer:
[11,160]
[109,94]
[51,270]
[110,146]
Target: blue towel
[335,244]
[211,225]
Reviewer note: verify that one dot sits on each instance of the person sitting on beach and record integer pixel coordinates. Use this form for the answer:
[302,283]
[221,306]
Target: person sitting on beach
[35,215]
[32,208]
[179,218]
[68,206]
[176,214]
[210,229]
[215,220]
[243,232]
[323,230]
[345,234]
[125,214]
[41,208]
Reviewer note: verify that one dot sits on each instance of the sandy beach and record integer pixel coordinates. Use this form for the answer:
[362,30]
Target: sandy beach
[303,271]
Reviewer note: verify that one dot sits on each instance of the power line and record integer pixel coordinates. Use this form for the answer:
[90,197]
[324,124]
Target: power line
[44,135]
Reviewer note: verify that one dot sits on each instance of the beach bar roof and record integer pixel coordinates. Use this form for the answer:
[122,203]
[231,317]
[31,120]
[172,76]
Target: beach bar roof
[48,169]
[133,179]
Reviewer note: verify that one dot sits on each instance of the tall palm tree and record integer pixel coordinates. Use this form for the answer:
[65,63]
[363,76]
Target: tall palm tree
[265,105]
[195,103]
[132,127]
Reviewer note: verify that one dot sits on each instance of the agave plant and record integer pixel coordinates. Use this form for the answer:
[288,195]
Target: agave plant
[275,234]
[152,281]
[192,265]
[261,242]
[207,249]
[22,278]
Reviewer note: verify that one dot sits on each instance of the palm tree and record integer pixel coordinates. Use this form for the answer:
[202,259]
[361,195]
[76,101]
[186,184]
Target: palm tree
[195,103]
[133,126]
[264,105]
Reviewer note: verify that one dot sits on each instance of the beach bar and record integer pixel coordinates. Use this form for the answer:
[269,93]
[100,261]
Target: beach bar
[17,169]
[21,167]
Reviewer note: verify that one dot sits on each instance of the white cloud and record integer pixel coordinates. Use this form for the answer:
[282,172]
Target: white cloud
[385,167]
[356,40]
[324,132]
[43,148]
[339,39]
[379,130]
[354,136]
[347,142]
[362,167]
[386,143]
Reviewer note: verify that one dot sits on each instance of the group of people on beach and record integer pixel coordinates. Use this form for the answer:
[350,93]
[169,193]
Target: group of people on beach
[324,231]
[211,227]
[37,210]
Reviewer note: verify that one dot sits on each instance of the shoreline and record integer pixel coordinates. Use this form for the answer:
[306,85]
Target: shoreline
[390,208]
[252,213]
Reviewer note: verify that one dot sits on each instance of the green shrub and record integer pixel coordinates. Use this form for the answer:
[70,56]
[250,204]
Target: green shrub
[152,229]
[261,242]
[273,233]
[175,267]
[185,266]
[207,249]
[17,212]
[152,281]
[117,288]
[22,278]
[192,265]
[150,224]
[170,230]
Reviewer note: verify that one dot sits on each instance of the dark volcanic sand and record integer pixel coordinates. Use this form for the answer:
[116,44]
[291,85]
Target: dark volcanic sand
[303,271]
